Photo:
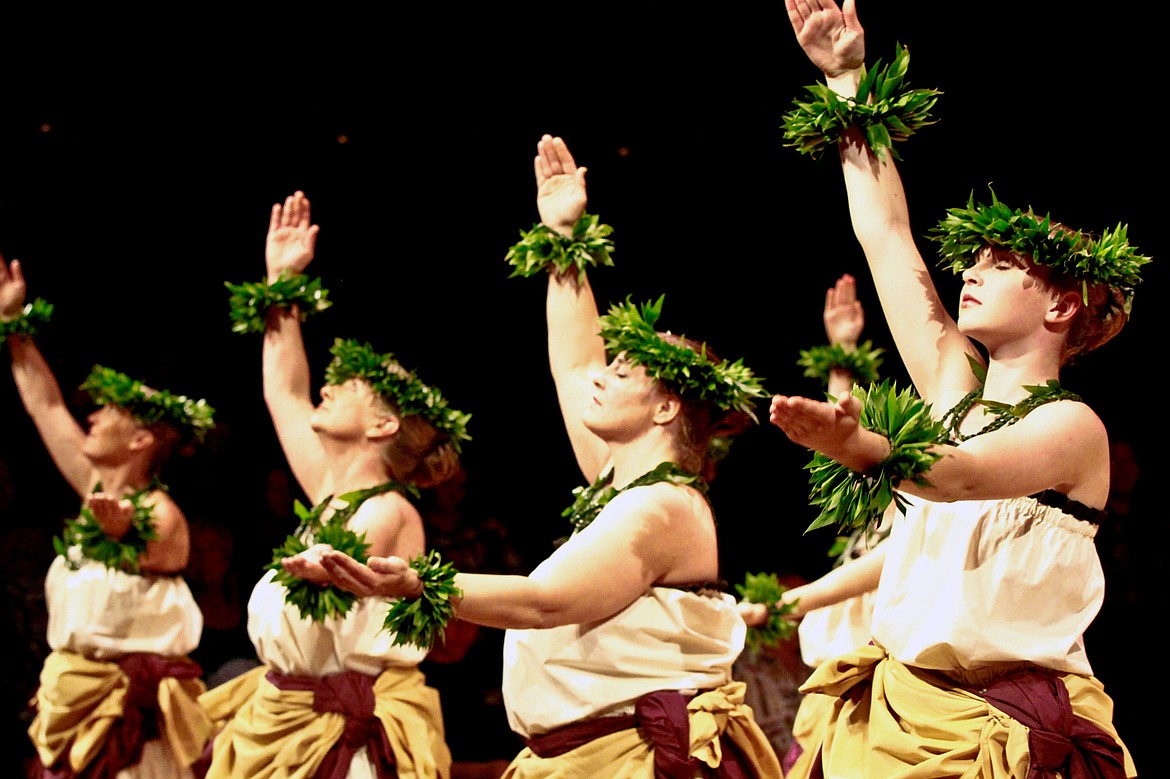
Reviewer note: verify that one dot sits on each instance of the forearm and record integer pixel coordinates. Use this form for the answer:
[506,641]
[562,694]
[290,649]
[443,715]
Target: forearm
[35,382]
[573,340]
[850,580]
[285,364]
[507,602]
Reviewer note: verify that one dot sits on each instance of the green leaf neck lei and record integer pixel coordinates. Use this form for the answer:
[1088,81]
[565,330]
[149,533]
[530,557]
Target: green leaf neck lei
[314,601]
[83,538]
[1005,414]
[589,501]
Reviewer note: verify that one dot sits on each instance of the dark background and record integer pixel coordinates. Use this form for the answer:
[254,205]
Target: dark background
[137,171]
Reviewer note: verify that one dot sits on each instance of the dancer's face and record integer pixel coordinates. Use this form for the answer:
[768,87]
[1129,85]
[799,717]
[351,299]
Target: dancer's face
[624,400]
[111,432]
[1003,298]
[346,410]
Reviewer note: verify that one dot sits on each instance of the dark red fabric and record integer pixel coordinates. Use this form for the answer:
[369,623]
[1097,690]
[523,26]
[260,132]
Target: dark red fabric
[350,694]
[1061,743]
[662,719]
[137,725]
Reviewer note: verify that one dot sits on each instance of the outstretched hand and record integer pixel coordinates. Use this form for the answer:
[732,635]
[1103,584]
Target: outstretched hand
[12,289]
[844,318]
[292,238]
[307,564]
[754,614]
[113,514]
[389,577]
[832,37]
[825,427]
[560,185]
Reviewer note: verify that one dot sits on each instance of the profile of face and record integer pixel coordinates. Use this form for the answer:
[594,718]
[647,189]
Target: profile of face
[113,434]
[347,410]
[1003,298]
[624,402]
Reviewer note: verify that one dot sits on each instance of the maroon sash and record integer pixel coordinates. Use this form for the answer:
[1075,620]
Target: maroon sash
[1060,743]
[137,725]
[662,719]
[350,694]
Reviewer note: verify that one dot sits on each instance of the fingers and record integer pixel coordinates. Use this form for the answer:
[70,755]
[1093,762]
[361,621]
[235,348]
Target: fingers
[553,159]
[564,158]
[846,289]
[389,565]
[849,11]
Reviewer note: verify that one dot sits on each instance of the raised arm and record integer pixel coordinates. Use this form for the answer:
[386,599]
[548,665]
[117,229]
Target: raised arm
[575,350]
[40,392]
[290,246]
[927,338]
[844,320]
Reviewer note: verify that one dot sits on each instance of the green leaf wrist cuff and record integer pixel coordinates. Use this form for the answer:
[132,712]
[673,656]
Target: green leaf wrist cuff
[420,621]
[765,588]
[850,499]
[32,317]
[83,538]
[542,248]
[251,301]
[862,362]
[884,109]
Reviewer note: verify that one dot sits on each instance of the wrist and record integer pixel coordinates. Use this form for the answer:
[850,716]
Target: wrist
[844,83]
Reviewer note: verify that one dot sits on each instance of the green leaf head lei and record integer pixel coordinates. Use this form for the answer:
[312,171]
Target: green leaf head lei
[192,418]
[730,386]
[397,386]
[884,109]
[1107,259]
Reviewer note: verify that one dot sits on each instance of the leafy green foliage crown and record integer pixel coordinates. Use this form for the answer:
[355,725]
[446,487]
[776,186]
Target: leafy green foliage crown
[107,386]
[1108,259]
[631,329]
[398,386]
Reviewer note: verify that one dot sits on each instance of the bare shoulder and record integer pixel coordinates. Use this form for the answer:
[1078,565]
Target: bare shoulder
[665,506]
[169,519]
[391,523]
[1072,418]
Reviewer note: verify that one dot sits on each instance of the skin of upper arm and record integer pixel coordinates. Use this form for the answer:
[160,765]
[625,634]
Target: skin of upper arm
[392,525]
[642,537]
[1064,445]
[170,552]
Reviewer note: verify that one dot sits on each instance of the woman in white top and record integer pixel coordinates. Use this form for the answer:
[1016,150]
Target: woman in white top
[978,667]
[619,647]
[335,695]
[117,694]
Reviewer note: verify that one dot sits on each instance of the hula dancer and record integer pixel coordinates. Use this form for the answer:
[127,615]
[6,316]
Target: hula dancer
[978,664]
[335,692]
[835,610]
[620,645]
[117,693]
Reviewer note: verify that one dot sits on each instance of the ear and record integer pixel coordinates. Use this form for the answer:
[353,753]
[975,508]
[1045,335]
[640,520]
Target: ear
[667,408]
[1065,305]
[141,439]
[383,426]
